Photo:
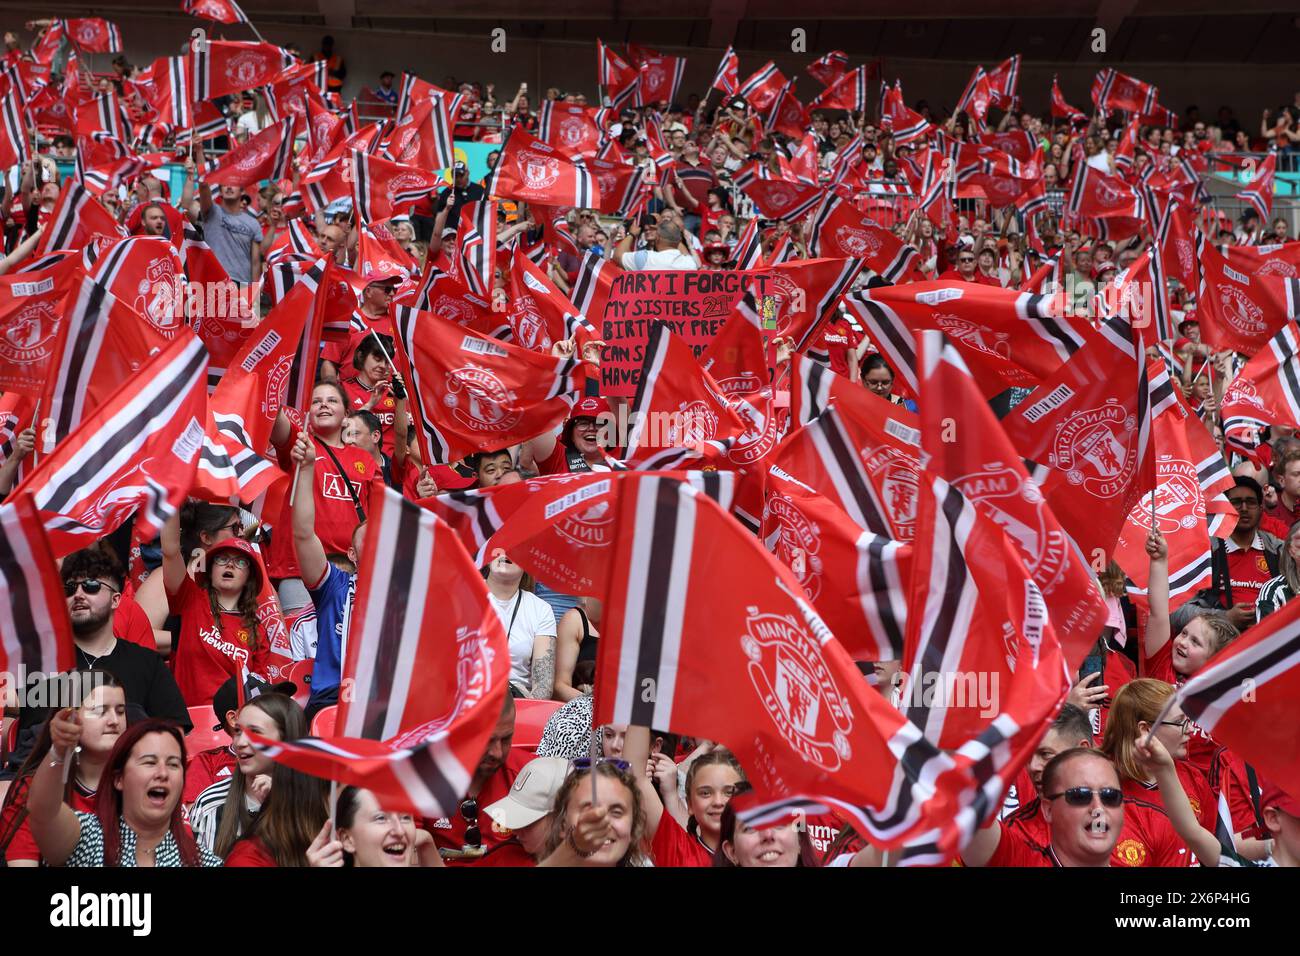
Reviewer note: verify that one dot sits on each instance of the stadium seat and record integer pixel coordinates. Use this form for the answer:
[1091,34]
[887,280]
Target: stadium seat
[203,737]
[322,725]
[300,673]
[530,719]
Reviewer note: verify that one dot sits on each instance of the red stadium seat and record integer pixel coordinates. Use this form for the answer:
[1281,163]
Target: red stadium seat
[300,673]
[322,725]
[203,737]
[530,719]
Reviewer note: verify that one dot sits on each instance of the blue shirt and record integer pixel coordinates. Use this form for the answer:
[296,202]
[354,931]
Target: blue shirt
[333,600]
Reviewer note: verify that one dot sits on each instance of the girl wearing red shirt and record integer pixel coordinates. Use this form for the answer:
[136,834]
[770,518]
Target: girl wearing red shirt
[219,630]
[103,718]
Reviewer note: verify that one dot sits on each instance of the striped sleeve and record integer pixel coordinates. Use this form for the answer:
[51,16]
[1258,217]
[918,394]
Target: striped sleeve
[1272,596]
[205,815]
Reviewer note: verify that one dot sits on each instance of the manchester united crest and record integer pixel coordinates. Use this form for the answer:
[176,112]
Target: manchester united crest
[1097,449]
[692,424]
[29,337]
[857,243]
[1179,501]
[538,170]
[799,542]
[895,475]
[1240,312]
[1016,504]
[478,399]
[797,689]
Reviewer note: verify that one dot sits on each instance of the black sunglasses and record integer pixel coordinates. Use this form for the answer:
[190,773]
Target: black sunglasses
[1082,796]
[585,763]
[469,813]
[90,586]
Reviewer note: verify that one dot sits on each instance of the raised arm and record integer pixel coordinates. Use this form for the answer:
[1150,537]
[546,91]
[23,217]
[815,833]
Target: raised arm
[1153,756]
[311,553]
[636,751]
[1157,594]
[173,562]
[55,827]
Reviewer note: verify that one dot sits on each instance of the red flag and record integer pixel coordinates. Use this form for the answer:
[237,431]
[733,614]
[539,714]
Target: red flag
[265,156]
[976,98]
[333,177]
[1112,90]
[472,393]
[1003,82]
[1265,392]
[660,79]
[222,11]
[534,171]
[222,67]
[35,632]
[324,131]
[423,138]
[136,453]
[907,125]
[1239,311]
[291,94]
[570,128]
[1098,195]
[840,230]
[1090,423]
[829,68]
[77,218]
[539,314]
[1062,109]
[989,475]
[383,189]
[31,315]
[94,35]
[763,87]
[1248,696]
[13,134]
[727,77]
[1190,474]
[616,77]
[1281,260]
[777,198]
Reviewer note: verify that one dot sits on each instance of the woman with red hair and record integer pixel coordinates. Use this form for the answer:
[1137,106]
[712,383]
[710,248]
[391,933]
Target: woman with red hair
[137,819]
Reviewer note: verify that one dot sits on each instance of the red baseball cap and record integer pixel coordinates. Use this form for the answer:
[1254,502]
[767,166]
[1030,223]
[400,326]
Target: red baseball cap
[239,545]
[593,406]
[1272,795]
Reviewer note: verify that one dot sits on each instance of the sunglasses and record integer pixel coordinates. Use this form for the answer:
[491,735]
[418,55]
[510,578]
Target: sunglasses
[1082,796]
[90,586]
[469,813]
[585,763]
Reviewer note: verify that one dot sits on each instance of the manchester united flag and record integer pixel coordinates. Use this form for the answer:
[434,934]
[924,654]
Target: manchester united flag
[537,172]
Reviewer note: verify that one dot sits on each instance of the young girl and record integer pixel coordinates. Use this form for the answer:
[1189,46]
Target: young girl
[284,831]
[605,833]
[103,718]
[369,835]
[219,632]
[782,845]
[225,811]
[137,821]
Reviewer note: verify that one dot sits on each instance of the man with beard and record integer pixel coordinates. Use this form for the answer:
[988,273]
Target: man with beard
[466,835]
[93,583]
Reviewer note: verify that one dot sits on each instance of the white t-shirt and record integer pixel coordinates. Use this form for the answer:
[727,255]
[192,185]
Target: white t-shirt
[1101,161]
[248,122]
[656,260]
[535,618]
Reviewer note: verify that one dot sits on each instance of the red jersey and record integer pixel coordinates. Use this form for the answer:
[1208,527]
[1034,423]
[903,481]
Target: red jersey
[673,846]
[1200,745]
[1147,838]
[561,459]
[1195,783]
[1227,770]
[838,337]
[205,769]
[131,624]
[250,851]
[23,846]
[336,514]
[385,410]
[1247,572]
[1014,850]
[207,654]
[449,832]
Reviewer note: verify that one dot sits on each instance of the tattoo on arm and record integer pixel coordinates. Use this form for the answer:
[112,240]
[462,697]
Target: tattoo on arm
[544,674]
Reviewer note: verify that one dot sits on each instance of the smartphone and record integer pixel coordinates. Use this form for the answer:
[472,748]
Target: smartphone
[1092,664]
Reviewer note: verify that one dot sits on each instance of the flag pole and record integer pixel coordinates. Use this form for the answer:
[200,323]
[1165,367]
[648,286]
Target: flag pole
[334,805]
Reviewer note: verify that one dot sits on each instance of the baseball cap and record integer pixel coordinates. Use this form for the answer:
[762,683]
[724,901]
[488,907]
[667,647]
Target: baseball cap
[239,545]
[532,795]
[459,167]
[590,407]
[1272,795]
[226,697]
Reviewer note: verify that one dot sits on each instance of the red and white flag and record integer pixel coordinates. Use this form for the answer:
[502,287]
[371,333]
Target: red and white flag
[762,88]
[471,393]
[1004,80]
[1239,311]
[423,138]
[907,125]
[849,92]
[1248,697]
[35,632]
[268,155]
[474,262]
[616,77]
[223,67]
[77,218]
[727,78]
[14,142]
[1097,195]
[1265,392]
[829,68]
[222,11]
[1112,90]
[135,454]
[977,98]
[31,316]
[382,189]
[94,35]
[568,127]
[839,230]
[539,314]
[623,188]
[537,172]
[660,79]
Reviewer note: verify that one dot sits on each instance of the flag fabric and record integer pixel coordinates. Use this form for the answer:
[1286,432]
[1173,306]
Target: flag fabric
[748,250]
[222,11]
[990,476]
[1239,311]
[976,98]
[1140,295]
[476,246]
[1191,476]
[591,290]
[660,78]
[382,189]
[136,453]
[35,631]
[1090,423]
[788,116]
[848,92]
[94,35]
[617,78]
[471,393]
[1112,90]
[777,198]
[539,315]
[623,188]
[265,156]
[828,68]
[677,403]
[1098,195]
[537,172]
[907,125]
[839,230]
[31,315]
[223,67]
[409,619]
[762,88]
[570,128]
[727,77]
[423,138]
[1004,80]
[1259,195]
[76,219]
[1265,392]
[14,143]
[1247,696]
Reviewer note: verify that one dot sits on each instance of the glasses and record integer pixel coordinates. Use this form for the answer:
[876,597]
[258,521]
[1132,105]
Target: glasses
[1240,503]
[966,259]
[469,813]
[1082,796]
[585,763]
[1180,724]
[235,527]
[90,586]
[231,560]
